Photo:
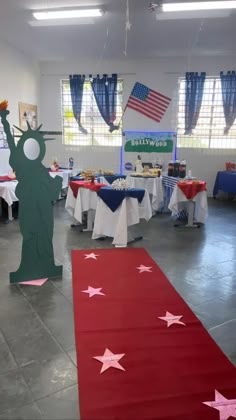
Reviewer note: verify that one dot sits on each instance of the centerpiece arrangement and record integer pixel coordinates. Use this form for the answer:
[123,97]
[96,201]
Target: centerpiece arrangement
[120,184]
[54,165]
[88,174]
[105,172]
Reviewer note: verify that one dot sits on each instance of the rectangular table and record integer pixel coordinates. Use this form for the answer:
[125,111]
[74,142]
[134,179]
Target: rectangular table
[115,223]
[64,174]
[154,187]
[82,197]
[7,193]
[225,181]
[109,179]
[168,183]
[193,195]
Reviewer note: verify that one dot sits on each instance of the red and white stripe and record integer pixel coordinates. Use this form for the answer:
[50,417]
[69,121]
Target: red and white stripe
[154,106]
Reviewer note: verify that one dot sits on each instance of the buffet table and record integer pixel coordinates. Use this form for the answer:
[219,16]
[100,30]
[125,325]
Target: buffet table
[153,185]
[117,210]
[225,181]
[64,174]
[193,194]
[168,183]
[109,179]
[82,197]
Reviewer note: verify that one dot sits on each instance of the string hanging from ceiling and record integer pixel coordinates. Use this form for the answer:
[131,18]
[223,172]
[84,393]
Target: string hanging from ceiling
[104,49]
[127,27]
[194,43]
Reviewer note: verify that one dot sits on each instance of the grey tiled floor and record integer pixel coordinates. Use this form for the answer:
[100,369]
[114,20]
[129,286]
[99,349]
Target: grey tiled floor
[37,351]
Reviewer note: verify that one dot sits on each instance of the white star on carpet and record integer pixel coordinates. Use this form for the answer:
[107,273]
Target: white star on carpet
[172,319]
[92,255]
[92,291]
[226,408]
[109,360]
[142,268]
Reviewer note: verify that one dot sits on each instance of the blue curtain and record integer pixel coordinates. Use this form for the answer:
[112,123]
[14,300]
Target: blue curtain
[76,90]
[105,92]
[194,85]
[228,87]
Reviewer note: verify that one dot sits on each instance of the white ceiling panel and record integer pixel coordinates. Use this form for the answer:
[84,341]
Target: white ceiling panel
[150,36]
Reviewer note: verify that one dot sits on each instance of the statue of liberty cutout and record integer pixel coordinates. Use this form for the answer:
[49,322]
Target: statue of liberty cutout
[36,190]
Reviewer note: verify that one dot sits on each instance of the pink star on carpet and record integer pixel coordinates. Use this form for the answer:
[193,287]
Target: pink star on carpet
[143,268]
[38,282]
[92,291]
[109,360]
[226,408]
[172,319]
[92,256]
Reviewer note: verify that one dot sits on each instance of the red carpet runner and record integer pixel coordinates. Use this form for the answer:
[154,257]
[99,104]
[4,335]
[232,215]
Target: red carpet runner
[142,353]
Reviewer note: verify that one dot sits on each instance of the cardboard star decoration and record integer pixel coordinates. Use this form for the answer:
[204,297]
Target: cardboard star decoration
[110,360]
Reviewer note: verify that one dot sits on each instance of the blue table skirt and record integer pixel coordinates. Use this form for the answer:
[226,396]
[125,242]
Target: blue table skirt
[225,181]
[112,178]
[168,183]
[77,178]
[113,198]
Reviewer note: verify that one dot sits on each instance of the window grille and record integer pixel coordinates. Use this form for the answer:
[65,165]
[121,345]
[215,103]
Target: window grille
[209,131]
[91,119]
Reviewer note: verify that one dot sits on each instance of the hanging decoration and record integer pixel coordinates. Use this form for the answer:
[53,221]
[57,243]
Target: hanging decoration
[152,6]
[127,27]
[148,102]
[103,51]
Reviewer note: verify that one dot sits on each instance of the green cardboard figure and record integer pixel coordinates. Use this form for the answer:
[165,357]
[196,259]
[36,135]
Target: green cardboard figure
[36,190]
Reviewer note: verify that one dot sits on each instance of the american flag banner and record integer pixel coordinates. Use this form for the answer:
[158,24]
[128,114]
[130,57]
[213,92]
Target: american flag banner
[148,102]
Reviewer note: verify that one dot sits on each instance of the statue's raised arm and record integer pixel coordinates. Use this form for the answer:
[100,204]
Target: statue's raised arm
[6,126]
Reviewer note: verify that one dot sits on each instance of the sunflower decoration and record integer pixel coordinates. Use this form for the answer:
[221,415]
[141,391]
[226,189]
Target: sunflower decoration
[3,105]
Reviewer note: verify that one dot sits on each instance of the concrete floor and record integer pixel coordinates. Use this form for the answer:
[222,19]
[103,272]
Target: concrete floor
[37,351]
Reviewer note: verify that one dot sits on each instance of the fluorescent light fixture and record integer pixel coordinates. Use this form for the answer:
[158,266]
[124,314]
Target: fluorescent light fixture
[205,5]
[67,14]
[192,14]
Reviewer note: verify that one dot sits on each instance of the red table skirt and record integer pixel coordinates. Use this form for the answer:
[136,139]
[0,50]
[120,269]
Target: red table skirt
[191,188]
[6,178]
[75,185]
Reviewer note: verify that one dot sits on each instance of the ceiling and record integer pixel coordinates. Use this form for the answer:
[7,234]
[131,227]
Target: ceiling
[148,37]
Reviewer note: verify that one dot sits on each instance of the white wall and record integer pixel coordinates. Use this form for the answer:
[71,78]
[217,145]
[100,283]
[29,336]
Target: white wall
[19,82]
[161,75]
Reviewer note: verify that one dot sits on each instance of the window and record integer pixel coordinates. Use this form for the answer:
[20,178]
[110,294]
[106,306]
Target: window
[91,119]
[209,132]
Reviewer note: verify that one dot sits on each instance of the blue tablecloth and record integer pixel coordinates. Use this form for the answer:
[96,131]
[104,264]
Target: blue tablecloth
[77,178]
[168,183]
[111,178]
[225,181]
[113,198]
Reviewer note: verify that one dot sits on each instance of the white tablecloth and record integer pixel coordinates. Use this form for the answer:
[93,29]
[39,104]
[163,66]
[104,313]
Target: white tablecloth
[103,180]
[64,174]
[115,224]
[153,187]
[7,191]
[179,201]
[86,200]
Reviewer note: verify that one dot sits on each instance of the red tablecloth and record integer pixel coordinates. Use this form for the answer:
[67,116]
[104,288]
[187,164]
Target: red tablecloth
[6,178]
[191,188]
[75,185]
